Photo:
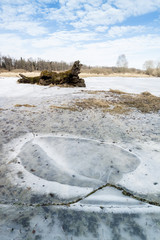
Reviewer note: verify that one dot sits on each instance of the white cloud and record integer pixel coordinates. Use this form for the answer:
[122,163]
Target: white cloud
[118,31]
[101,29]
[88,40]
[136,49]
[31,28]
[47,1]
[15,2]
[64,38]
[83,13]
[79,14]
[20,2]
[91,15]
[136,7]
[20,18]
[97,17]
[13,45]
[62,15]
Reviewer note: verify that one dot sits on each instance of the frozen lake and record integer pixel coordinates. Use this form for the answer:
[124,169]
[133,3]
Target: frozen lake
[78,175]
[130,85]
[10,88]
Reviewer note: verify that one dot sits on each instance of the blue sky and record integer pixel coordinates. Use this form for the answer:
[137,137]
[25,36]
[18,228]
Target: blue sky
[94,31]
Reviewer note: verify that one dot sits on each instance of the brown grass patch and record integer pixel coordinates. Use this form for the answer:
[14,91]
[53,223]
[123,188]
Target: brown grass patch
[116,91]
[122,103]
[146,94]
[101,73]
[64,107]
[80,105]
[104,105]
[15,73]
[118,109]
[24,105]
[93,91]
[18,71]
[145,102]
[91,103]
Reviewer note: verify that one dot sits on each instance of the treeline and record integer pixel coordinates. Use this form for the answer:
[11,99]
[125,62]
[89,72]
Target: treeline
[8,63]
[110,70]
[152,68]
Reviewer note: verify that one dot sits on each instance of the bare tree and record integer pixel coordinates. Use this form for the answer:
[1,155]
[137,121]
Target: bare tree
[149,67]
[122,63]
[158,69]
[7,63]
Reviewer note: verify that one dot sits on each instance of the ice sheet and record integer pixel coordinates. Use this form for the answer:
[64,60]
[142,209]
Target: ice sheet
[67,167]
[106,213]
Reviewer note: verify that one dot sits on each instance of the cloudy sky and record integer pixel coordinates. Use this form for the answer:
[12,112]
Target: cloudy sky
[93,31]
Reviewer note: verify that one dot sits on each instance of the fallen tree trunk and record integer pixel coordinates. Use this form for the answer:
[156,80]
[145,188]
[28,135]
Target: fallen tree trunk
[68,78]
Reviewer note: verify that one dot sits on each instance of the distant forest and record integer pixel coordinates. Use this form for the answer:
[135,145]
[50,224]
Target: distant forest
[8,63]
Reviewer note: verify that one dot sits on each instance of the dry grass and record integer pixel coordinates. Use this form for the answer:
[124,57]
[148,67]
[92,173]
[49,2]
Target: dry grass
[24,105]
[145,102]
[146,94]
[116,91]
[85,75]
[115,102]
[137,75]
[104,105]
[16,72]
[118,109]
[93,91]
[83,104]
[91,103]
[123,103]
[64,107]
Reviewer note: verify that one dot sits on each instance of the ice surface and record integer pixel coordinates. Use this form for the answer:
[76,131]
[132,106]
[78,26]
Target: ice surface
[60,157]
[28,93]
[146,175]
[65,167]
[61,223]
[130,85]
[111,197]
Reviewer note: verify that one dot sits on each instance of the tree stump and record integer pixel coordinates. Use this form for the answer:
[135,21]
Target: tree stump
[68,78]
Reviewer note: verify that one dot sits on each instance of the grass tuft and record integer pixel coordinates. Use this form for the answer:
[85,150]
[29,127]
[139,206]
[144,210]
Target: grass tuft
[24,105]
[145,102]
[91,103]
[116,91]
[63,107]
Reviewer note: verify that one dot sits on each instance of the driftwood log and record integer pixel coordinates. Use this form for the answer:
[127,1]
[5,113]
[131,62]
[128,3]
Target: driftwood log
[69,78]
